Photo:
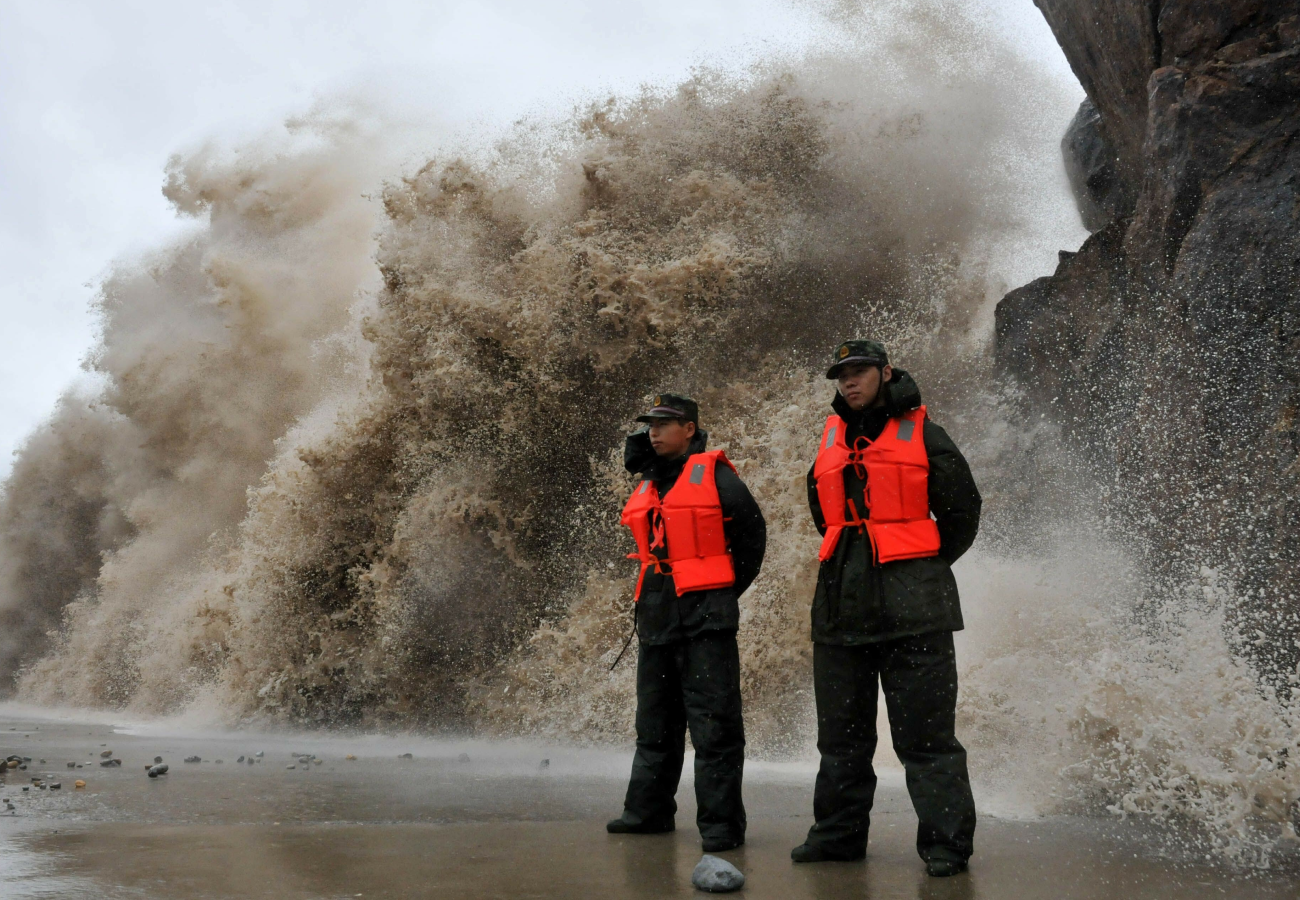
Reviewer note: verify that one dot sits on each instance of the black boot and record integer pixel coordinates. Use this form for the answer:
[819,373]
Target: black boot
[622,826]
[718,845]
[943,868]
[806,853]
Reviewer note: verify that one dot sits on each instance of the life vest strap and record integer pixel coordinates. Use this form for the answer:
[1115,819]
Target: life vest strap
[858,456]
[646,565]
[833,532]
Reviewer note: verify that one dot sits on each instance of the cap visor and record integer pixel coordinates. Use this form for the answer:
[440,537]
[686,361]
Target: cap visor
[834,370]
[656,417]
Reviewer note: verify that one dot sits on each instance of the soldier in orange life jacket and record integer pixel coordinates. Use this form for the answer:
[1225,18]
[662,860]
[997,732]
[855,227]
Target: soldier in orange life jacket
[896,504]
[700,539]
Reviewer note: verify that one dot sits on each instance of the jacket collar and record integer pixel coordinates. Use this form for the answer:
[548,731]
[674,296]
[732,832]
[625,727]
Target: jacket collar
[640,458]
[901,395]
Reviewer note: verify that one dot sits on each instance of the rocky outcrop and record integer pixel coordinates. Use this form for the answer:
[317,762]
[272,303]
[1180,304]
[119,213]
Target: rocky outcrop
[1168,347]
[1093,169]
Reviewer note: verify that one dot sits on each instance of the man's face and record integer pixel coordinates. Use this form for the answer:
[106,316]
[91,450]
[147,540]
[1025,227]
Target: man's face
[859,385]
[671,437]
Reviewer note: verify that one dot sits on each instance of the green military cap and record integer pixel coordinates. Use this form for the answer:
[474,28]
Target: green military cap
[866,353]
[672,406]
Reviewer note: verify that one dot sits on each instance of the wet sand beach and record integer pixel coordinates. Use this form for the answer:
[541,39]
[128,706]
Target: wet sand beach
[471,819]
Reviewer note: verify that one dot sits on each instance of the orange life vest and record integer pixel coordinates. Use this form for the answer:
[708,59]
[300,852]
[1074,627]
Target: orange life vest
[897,472]
[686,525]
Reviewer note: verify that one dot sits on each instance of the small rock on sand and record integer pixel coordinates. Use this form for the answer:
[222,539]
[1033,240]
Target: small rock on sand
[156,760]
[79,784]
[194,759]
[106,754]
[155,771]
[717,876]
[406,756]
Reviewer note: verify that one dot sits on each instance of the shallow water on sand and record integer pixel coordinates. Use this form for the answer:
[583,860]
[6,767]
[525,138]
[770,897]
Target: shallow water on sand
[471,819]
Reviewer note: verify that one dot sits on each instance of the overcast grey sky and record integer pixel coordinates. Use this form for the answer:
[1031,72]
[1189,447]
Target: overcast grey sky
[95,96]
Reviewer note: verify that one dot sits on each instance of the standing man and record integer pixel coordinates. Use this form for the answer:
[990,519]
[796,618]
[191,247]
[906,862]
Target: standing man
[700,538]
[897,505]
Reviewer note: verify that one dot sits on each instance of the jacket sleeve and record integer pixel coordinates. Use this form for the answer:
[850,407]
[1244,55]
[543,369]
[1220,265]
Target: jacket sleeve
[746,529]
[954,498]
[814,502]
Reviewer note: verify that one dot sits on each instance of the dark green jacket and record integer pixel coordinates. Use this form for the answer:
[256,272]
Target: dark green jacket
[661,616]
[860,602]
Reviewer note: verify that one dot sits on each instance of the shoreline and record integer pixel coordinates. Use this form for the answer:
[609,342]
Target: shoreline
[477,819]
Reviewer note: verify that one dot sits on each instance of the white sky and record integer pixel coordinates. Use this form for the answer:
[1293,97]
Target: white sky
[95,96]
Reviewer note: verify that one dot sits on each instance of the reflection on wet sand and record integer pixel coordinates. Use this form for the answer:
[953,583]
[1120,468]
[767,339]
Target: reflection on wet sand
[571,859]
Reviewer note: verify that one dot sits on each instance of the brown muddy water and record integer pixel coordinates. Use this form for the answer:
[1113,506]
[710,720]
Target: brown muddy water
[470,819]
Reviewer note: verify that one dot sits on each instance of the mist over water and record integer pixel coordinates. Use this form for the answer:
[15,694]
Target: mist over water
[357,456]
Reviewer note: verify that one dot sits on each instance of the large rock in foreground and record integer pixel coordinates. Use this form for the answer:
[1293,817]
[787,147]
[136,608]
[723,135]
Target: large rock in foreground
[1169,345]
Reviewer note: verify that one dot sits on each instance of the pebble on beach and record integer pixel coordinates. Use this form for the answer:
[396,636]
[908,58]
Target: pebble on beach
[156,760]
[406,756]
[106,754]
[350,756]
[194,759]
[79,784]
[156,770]
[717,876]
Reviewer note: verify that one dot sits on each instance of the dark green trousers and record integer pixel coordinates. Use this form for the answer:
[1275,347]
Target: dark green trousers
[692,683]
[919,677]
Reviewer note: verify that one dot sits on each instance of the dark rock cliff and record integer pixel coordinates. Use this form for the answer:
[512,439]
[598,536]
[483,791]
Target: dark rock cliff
[1168,347]
[1093,169]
